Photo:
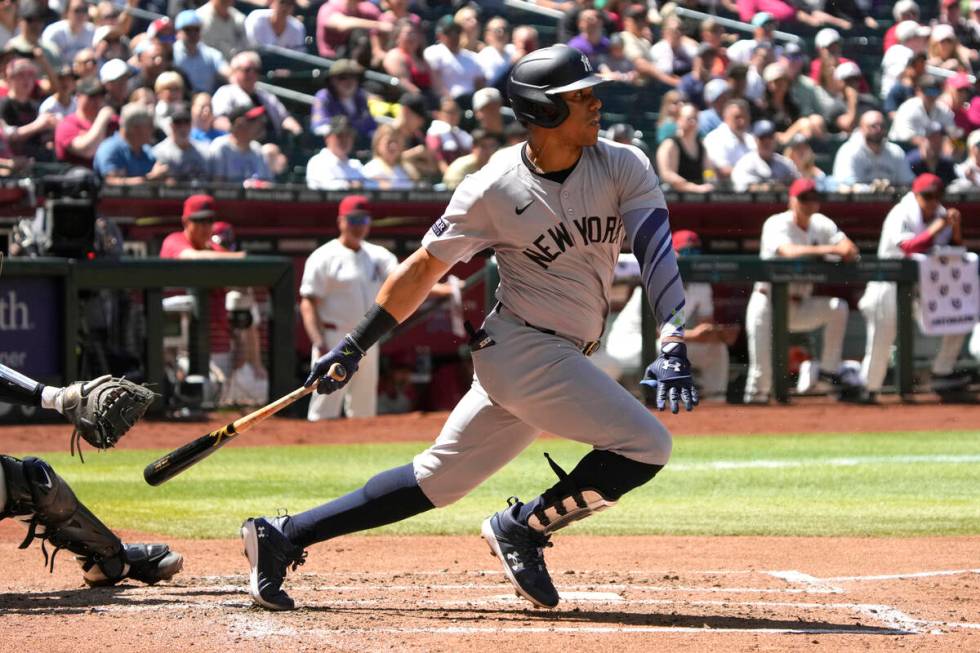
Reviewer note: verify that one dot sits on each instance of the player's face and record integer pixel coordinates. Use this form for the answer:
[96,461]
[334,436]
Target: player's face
[929,203]
[581,128]
[199,233]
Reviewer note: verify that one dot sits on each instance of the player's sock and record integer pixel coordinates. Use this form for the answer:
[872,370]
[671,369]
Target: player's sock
[611,474]
[389,497]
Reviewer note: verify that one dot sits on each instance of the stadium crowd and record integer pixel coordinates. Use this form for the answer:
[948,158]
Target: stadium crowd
[182,98]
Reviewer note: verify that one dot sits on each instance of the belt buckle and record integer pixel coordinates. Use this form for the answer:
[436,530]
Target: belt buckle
[590,347]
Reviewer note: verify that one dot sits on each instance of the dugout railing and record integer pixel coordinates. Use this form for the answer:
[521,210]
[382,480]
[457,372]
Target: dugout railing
[152,276]
[746,270]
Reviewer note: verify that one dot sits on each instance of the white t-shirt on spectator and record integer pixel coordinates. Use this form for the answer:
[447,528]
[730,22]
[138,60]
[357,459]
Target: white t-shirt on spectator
[725,148]
[753,169]
[258,28]
[663,55]
[892,65]
[230,96]
[60,38]
[855,163]
[912,119]
[459,71]
[50,104]
[741,51]
[493,63]
[395,178]
[325,171]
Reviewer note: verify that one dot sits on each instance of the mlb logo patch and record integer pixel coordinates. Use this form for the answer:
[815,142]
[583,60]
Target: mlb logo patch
[439,226]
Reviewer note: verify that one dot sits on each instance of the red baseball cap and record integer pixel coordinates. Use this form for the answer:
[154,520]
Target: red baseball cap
[927,183]
[801,186]
[353,204]
[199,207]
[685,238]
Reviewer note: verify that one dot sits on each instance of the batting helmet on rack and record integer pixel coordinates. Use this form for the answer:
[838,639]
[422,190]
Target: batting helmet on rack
[537,80]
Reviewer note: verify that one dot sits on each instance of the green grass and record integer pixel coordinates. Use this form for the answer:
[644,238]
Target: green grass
[902,484]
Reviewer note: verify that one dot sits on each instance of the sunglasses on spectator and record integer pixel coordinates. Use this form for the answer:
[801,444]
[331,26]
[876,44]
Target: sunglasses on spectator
[250,69]
[80,10]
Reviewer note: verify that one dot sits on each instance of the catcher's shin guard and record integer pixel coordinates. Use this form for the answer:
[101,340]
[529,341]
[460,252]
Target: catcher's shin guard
[44,501]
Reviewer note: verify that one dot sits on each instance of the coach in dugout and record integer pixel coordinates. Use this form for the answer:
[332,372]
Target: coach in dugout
[915,225]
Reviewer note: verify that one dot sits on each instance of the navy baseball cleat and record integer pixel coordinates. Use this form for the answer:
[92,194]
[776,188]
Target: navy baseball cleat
[520,550]
[269,554]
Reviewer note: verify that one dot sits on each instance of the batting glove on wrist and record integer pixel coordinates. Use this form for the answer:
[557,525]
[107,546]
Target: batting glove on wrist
[346,356]
[670,374]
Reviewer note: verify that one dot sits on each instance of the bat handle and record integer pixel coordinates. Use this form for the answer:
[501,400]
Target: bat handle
[337,372]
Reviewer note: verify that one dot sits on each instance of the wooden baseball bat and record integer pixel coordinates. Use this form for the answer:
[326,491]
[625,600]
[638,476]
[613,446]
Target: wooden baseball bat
[165,468]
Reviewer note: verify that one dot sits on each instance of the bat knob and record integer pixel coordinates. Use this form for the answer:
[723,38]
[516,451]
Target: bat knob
[337,372]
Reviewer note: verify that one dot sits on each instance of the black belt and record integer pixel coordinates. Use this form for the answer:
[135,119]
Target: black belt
[588,348]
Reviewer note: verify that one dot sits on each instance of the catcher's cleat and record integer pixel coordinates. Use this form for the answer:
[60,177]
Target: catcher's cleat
[147,563]
[270,554]
[520,550]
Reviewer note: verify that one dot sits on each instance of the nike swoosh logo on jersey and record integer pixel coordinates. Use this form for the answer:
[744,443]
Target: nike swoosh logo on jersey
[519,211]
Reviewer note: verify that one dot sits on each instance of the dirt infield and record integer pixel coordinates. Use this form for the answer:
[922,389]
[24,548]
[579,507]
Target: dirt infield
[447,594]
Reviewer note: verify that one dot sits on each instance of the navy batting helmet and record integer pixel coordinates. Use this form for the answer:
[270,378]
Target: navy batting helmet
[539,77]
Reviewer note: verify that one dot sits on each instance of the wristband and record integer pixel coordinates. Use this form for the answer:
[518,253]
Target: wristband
[376,323]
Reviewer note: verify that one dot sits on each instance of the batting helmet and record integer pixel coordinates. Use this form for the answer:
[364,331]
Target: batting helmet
[538,79]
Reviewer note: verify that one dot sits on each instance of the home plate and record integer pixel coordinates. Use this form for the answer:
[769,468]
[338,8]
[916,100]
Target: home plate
[587,597]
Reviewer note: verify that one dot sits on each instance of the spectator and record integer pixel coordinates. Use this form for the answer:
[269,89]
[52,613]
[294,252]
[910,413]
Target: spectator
[32,16]
[763,169]
[496,58]
[755,85]
[782,110]
[636,42]
[514,134]
[398,10]
[343,96]
[911,40]
[974,24]
[673,55]
[241,91]
[730,141]
[928,156]
[108,44]
[169,89]
[419,160]
[950,13]
[386,168]
[737,78]
[867,162]
[968,172]
[337,21]
[469,22]
[185,160]
[114,75]
[202,119]
[681,159]
[203,65]
[487,105]
[405,60]
[959,92]
[808,96]
[445,137]
[332,168]
[800,232]
[801,154]
[276,26]
[160,31]
[692,84]
[84,64]
[27,131]
[763,25]
[145,96]
[237,156]
[222,27]
[851,103]
[590,40]
[66,37]
[485,144]
[670,106]
[829,48]
[914,115]
[126,158]
[524,38]
[8,22]
[614,66]
[77,137]
[458,70]
[716,96]
[111,15]
[904,87]
[62,103]
[712,34]
[902,11]
[154,58]
[944,49]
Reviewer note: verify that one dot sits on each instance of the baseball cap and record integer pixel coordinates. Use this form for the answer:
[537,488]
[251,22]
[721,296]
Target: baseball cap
[339,124]
[223,235]
[447,24]
[356,208]
[903,7]
[162,30]
[89,86]
[621,132]
[199,208]
[114,69]
[908,29]
[762,18]
[180,112]
[685,238]
[416,103]
[714,90]
[827,37]
[486,96]
[33,10]
[927,183]
[847,70]
[930,85]
[246,110]
[941,32]
[774,71]
[959,81]
[792,50]
[188,18]
[802,186]
[763,129]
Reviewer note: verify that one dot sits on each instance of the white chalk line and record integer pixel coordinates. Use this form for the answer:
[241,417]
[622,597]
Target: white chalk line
[851,461]
[811,582]
[915,574]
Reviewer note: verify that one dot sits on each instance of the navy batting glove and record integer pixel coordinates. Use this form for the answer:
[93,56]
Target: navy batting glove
[670,374]
[347,355]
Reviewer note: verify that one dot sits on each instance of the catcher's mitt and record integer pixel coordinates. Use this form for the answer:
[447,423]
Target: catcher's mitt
[104,409]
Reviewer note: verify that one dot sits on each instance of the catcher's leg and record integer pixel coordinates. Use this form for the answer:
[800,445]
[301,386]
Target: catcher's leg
[38,497]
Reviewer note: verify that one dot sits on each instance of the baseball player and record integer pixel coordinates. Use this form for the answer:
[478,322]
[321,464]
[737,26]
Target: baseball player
[556,210]
[916,224]
[102,410]
[340,281]
[799,232]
